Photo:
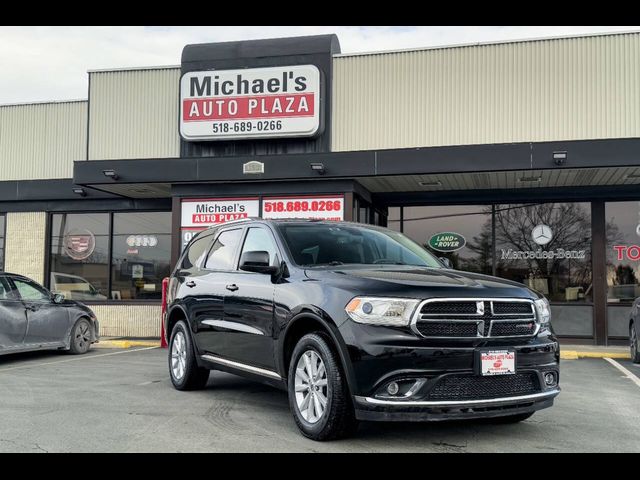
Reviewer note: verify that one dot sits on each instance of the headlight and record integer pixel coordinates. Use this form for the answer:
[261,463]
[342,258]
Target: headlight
[544,310]
[382,311]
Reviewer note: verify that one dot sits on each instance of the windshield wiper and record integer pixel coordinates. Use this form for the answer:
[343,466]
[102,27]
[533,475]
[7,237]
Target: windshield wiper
[332,263]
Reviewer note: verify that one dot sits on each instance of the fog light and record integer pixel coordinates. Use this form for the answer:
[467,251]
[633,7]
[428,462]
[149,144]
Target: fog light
[550,379]
[392,388]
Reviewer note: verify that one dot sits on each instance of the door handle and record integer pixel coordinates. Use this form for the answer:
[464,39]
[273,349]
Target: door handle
[32,308]
[233,287]
[190,284]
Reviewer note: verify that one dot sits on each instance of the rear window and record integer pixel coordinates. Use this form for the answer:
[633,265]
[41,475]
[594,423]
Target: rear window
[196,252]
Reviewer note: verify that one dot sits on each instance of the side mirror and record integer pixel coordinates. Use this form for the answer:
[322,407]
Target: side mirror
[446,262]
[58,298]
[257,261]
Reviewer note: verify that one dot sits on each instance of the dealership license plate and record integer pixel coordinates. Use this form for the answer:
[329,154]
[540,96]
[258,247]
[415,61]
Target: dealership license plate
[497,362]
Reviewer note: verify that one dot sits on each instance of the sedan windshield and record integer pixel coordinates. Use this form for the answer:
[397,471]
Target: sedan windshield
[340,244]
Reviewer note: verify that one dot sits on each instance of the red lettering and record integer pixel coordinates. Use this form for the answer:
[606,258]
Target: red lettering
[630,252]
[237,108]
[620,249]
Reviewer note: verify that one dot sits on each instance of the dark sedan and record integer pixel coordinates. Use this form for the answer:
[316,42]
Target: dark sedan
[32,318]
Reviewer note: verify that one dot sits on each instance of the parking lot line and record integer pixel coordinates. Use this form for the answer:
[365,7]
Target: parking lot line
[76,359]
[624,370]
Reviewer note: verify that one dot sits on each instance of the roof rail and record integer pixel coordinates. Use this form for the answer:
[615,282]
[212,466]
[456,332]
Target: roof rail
[239,220]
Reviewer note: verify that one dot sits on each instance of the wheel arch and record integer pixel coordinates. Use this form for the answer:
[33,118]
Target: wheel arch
[307,322]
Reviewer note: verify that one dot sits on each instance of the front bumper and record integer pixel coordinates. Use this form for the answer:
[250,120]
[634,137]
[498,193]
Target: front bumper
[379,356]
[374,409]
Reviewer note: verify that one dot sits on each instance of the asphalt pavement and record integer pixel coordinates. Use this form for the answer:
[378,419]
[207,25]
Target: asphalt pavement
[121,400]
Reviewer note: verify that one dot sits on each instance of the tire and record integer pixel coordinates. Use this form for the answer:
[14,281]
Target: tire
[633,344]
[183,369]
[520,417]
[337,419]
[81,335]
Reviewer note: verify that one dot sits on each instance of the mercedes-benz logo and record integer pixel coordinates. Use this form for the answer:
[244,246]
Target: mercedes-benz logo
[542,234]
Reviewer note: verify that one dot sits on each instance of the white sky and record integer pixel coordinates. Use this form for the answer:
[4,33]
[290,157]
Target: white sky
[51,63]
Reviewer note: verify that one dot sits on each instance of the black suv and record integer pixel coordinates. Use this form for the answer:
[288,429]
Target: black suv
[357,323]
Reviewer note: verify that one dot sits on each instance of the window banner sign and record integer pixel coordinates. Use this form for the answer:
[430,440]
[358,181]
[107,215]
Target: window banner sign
[321,207]
[200,213]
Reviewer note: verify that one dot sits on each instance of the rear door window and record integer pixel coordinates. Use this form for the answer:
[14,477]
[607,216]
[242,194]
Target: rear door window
[196,252]
[223,250]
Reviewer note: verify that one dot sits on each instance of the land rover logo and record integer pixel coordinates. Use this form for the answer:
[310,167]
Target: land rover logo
[79,244]
[542,234]
[447,242]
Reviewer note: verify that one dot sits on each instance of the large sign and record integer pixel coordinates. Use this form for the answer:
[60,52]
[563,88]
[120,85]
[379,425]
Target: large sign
[325,207]
[250,103]
[200,213]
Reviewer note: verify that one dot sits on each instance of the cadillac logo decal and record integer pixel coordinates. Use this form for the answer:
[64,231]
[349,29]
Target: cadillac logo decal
[79,244]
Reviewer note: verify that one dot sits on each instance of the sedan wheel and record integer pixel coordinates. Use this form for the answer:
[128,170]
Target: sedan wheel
[81,335]
[633,344]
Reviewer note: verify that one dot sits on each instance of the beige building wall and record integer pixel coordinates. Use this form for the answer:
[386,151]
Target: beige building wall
[128,320]
[42,140]
[134,114]
[25,244]
[543,90]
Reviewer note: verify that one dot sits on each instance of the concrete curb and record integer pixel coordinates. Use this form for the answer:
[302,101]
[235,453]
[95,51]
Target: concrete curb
[574,355]
[126,343]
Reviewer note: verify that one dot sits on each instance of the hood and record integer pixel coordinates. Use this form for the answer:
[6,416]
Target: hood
[422,281]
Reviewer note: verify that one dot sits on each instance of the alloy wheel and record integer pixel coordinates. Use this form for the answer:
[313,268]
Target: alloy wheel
[178,356]
[83,336]
[633,342]
[311,386]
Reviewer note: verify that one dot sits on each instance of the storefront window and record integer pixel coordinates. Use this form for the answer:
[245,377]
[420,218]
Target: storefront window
[623,251]
[79,266]
[2,233]
[87,265]
[547,247]
[460,233]
[141,254]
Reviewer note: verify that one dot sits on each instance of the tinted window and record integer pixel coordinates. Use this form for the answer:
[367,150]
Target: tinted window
[223,249]
[259,239]
[31,291]
[623,251]
[5,291]
[196,253]
[141,254]
[315,244]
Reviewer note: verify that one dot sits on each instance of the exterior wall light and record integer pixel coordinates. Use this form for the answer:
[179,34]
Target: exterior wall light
[110,174]
[318,167]
[432,183]
[559,158]
[529,179]
[80,191]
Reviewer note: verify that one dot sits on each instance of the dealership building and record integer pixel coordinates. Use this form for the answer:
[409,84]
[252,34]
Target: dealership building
[516,159]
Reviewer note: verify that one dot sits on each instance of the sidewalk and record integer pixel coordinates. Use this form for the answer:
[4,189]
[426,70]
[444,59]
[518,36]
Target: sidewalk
[573,352]
[123,342]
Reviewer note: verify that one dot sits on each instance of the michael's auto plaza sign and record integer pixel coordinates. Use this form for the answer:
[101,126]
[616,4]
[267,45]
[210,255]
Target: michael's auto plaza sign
[250,103]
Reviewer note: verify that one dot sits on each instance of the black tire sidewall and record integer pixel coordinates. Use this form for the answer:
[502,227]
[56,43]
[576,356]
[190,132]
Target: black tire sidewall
[319,345]
[72,343]
[189,362]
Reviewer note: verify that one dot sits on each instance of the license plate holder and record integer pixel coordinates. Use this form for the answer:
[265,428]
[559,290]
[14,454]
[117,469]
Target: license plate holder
[498,361]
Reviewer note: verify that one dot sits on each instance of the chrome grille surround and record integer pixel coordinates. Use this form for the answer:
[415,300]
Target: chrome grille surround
[484,317]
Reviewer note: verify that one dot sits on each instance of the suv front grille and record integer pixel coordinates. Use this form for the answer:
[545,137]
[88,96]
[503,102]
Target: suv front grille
[476,318]
[472,387]
[448,329]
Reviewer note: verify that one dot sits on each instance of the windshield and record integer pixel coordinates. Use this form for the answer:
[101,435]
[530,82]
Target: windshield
[340,244]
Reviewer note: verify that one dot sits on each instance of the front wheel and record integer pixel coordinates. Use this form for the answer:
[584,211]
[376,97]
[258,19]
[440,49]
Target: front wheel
[633,344]
[183,368]
[81,335]
[318,392]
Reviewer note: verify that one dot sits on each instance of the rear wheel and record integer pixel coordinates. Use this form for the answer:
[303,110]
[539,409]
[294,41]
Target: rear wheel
[81,335]
[318,392]
[183,368]
[633,344]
